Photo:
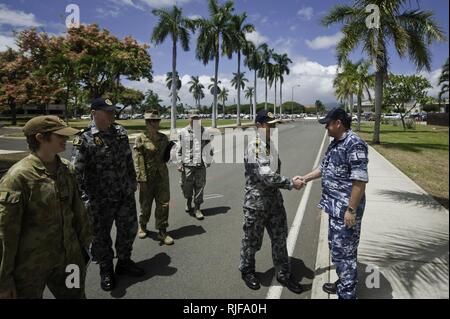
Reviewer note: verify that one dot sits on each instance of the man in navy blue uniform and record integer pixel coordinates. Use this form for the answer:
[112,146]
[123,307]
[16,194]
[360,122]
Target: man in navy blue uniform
[344,177]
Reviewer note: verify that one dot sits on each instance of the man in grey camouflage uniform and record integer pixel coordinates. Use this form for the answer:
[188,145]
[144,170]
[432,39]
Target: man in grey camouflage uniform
[344,177]
[107,180]
[194,154]
[263,206]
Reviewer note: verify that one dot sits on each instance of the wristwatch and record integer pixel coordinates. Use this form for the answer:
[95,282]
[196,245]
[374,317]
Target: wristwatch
[350,210]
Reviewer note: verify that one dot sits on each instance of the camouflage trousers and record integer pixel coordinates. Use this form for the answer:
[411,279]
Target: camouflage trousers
[31,285]
[274,220]
[157,190]
[123,213]
[343,243]
[193,180]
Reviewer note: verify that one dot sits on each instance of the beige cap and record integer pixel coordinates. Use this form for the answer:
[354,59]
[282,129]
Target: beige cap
[48,123]
[152,115]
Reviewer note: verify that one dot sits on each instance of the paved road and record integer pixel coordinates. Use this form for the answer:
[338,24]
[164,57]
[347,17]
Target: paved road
[204,261]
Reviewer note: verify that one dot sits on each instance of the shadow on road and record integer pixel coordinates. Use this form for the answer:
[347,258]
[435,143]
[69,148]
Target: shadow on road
[299,271]
[215,210]
[155,266]
[377,285]
[182,232]
[421,200]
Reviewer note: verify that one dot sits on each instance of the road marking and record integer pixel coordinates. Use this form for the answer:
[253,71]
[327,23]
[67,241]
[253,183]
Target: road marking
[212,196]
[4,152]
[276,290]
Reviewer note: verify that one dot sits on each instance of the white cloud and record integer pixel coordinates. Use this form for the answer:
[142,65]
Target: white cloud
[7,42]
[433,77]
[292,28]
[306,13]
[256,37]
[112,12]
[324,42]
[194,16]
[17,18]
[285,45]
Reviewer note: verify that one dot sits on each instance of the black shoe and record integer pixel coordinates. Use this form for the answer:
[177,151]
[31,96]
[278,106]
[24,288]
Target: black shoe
[128,267]
[107,279]
[251,281]
[330,287]
[288,281]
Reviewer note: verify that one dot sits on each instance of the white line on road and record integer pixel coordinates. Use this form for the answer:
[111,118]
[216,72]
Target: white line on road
[211,196]
[275,290]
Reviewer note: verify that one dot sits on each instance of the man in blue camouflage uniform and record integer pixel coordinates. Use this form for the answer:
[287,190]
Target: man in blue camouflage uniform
[105,174]
[344,177]
[263,206]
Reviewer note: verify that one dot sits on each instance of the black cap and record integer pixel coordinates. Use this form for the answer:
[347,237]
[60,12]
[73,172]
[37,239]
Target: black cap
[103,104]
[335,114]
[265,116]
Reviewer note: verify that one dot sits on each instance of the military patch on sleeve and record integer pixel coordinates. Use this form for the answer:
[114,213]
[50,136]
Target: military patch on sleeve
[361,155]
[3,196]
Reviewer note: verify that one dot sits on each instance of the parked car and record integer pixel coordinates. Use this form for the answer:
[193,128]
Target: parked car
[86,117]
[137,116]
[392,116]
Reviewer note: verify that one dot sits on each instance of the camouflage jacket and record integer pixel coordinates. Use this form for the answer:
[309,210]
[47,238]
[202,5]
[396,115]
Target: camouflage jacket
[345,161]
[190,148]
[262,176]
[42,219]
[104,164]
[148,154]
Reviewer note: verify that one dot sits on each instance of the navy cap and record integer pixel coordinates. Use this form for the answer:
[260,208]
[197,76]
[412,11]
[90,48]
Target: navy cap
[103,104]
[265,116]
[334,115]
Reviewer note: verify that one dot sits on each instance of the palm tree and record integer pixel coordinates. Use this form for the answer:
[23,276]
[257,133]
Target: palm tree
[364,82]
[253,62]
[266,67]
[238,30]
[238,82]
[249,93]
[213,85]
[283,63]
[345,84]
[196,89]
[172,23]
[209,44]
[443,81]
[411,31]
[169,80]
[223,95]
[274,75]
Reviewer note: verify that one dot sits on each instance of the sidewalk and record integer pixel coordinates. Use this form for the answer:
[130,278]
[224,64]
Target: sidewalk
[405,235]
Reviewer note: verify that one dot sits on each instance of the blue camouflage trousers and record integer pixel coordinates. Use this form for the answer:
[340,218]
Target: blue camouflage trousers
[123,213]
[343,243]
[255,221]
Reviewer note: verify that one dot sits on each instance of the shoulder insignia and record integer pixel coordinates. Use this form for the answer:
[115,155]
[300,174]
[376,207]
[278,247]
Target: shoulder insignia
[77,141]
[98,141]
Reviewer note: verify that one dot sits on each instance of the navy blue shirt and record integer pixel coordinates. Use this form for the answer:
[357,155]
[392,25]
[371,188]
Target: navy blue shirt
[345,161]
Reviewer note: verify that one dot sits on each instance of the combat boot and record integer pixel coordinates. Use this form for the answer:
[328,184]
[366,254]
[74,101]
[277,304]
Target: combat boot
[128,267]
[164,238]
[288,281]
[142,233]
[107,278]
[198,213]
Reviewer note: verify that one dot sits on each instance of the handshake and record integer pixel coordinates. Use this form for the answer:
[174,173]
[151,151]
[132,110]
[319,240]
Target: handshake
[299,182]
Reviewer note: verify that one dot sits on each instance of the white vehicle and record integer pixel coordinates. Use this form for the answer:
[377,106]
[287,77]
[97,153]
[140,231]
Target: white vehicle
[393,116]
[86,117]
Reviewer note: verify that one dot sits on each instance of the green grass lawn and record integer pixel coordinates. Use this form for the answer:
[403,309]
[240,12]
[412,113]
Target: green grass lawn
[422,154]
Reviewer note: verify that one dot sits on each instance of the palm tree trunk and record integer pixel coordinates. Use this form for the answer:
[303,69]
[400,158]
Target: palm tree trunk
[216,72]
[265,103]
[254,101]
[281,96]
[351,105]
[275,103]
[379,75]
[359,112]
[173,120]
[238,110]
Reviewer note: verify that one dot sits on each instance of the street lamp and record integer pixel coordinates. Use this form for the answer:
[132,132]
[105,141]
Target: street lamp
[292,101]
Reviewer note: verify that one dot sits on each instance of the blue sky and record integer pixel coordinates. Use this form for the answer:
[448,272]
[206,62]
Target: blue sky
[292,28]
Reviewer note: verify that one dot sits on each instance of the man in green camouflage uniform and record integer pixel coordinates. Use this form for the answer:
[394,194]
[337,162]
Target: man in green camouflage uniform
[192,161]
[44,226]
[106,177]
[151,151]
[263,206]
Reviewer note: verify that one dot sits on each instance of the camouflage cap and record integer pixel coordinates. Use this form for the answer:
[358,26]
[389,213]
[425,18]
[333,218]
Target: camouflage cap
[152,115]
[48,123]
